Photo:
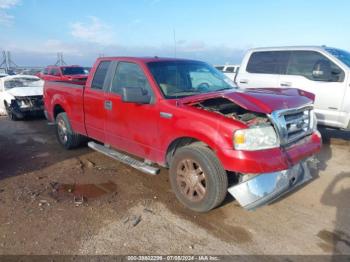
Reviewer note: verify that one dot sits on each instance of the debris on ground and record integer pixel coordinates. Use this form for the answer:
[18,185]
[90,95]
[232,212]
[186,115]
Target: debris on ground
[136,220]
[90,164]
[43,202]
[148,210]
[78,201]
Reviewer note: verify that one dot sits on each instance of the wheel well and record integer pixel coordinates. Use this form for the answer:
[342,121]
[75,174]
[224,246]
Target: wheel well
[178,143]
[57,109]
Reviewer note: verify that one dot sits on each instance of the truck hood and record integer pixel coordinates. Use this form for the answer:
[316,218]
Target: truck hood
[26,91]
[260,100]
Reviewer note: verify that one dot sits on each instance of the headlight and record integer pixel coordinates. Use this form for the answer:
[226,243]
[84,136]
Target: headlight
[255,138]
[22,103]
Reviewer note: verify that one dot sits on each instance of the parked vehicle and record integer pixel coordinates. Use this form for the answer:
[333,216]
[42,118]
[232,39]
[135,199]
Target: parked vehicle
[73,74]
[228,70]
[321,70]
[21,95]
[190,118]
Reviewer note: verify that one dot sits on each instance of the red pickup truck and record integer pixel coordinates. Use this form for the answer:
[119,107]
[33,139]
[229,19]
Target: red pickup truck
[187,116]
[73,74]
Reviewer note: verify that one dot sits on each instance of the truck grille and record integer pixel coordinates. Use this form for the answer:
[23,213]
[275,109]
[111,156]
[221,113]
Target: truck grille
[293,124]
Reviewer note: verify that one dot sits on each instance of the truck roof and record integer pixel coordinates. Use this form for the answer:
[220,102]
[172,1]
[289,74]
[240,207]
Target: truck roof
[288,48]
[144,59]
[57,66]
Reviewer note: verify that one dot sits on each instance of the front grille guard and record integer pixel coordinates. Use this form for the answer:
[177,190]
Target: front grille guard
[278,120]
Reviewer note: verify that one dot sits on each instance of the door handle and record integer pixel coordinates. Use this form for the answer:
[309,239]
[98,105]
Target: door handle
[243,81]
[287,84]
[108,105]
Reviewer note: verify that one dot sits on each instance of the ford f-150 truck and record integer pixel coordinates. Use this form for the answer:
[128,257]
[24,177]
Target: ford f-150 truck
[187,116]
[73,74]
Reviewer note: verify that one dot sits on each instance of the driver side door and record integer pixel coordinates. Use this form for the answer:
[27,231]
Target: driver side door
[131,127]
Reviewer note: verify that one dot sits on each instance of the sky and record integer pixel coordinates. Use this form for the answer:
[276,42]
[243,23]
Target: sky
[215,31]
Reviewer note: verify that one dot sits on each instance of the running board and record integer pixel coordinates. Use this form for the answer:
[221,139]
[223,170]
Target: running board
[141,166]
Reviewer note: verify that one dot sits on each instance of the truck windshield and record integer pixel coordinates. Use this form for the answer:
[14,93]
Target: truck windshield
[179,79]
[342,55]
[22,82]
[73,71]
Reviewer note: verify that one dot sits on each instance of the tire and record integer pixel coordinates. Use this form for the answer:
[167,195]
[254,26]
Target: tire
[193,168]
[65,134]
[10,115]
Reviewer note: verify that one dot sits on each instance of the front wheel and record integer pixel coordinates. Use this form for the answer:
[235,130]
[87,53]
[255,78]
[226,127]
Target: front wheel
[12,116]
[65,134]
[198,178]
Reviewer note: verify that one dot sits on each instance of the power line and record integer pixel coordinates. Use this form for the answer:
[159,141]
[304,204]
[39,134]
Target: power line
[7,61]
[60,61]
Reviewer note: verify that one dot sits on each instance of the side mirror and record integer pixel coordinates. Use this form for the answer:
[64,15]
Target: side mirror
[135,95]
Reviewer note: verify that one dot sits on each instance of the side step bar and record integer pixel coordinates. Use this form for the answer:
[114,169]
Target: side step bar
[141,166]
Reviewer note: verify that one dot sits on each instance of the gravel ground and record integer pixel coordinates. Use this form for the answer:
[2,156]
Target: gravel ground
[80,202]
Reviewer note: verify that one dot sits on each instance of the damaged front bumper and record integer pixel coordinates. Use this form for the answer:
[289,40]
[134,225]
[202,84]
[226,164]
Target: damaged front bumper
[258,190]
[23,105]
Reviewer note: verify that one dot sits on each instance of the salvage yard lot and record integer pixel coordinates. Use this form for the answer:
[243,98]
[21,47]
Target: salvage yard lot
[80,202]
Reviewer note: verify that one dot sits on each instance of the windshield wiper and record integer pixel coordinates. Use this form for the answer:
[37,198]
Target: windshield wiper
[222,89]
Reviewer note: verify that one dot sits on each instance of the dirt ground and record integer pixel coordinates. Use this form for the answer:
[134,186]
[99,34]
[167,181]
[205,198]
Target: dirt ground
[54,201]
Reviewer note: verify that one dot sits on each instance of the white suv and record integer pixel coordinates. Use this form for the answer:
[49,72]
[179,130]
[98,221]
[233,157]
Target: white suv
[321,70]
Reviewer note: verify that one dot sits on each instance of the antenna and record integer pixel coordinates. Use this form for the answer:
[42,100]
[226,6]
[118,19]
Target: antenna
[60,61]
[174,42]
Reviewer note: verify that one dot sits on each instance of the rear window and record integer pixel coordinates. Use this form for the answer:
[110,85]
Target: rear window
[73,70]
[269,62]
[100,75]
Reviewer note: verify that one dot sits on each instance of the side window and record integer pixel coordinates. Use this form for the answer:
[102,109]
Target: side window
[100,75]
[54,72]
[129,75]
[220,68]
[46,71]
[314,66]
[230,69]
[269,62]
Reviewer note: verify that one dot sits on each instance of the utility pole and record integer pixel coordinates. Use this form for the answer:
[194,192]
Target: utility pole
[60,61]
[7,62]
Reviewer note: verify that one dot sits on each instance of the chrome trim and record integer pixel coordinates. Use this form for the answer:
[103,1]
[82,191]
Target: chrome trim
[166,115]
[258,190]
[128,160]
[278,119]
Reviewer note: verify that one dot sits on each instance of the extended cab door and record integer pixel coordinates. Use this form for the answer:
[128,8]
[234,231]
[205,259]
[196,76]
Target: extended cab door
[261,69]
[314,72]
[131,127]
[95,104]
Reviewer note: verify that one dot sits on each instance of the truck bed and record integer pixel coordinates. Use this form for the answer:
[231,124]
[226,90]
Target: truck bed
[71,95]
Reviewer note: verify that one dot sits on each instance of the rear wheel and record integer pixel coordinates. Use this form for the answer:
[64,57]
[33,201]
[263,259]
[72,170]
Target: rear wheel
[198,178]
[65,134]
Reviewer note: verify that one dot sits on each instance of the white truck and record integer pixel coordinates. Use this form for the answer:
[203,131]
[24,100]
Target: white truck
[321,70]
[229,70]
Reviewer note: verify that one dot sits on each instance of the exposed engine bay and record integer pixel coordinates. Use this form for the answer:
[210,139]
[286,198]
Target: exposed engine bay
[227,108]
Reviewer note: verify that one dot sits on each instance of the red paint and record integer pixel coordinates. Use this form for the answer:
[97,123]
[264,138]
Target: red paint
[139,129]
[59,75]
